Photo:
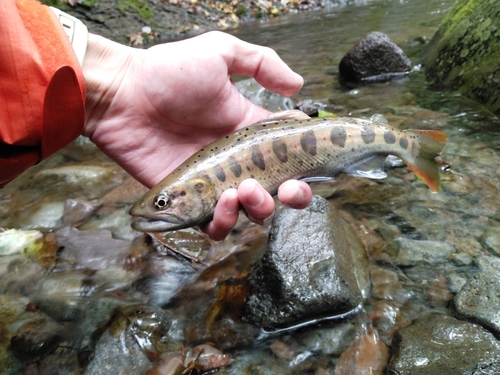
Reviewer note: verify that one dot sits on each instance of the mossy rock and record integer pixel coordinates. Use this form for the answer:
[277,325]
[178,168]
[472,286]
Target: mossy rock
[464,54]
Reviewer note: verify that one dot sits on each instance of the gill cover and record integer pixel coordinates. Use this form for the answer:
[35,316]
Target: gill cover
[184,204]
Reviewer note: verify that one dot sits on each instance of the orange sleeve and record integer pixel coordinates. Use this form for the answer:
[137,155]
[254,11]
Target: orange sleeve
[42,90]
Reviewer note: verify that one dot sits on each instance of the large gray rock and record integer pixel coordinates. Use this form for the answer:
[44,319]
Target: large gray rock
[308,270]
[374,58]
[464,53]
[479,298]
[441,345]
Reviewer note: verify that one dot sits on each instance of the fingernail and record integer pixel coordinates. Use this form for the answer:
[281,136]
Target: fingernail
[297,198]
[256,198]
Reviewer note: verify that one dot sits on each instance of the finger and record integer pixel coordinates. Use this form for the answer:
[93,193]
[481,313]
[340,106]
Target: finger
[257,202]
[261,63]
[225,216]
[295,194]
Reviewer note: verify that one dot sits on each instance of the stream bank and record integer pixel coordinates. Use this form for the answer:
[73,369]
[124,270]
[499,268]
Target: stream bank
[140,21]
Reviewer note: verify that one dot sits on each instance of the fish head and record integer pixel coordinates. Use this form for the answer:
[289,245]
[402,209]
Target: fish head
[181,204]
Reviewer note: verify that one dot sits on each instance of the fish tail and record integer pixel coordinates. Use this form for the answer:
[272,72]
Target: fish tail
[423,163]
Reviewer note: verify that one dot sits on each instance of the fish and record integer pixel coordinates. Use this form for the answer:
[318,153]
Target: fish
[285,145]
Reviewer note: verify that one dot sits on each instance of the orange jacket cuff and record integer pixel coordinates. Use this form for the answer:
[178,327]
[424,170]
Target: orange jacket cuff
[42,90]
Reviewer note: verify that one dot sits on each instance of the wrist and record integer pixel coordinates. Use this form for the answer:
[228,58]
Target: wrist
[104,69]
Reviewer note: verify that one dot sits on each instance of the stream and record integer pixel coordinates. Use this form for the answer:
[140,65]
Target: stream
[81,292]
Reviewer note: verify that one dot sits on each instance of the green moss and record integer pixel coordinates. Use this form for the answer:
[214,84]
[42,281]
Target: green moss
[54,3]
[464,54]
[241,10]
[89,3]
[136,6]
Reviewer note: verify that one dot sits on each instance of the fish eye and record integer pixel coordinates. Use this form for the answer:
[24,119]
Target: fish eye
[161,201]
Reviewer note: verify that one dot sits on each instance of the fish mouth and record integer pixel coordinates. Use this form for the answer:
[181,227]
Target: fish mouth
[143,224]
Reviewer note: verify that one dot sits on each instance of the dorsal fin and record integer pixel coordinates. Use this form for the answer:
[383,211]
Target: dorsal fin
[370,168]
[291,114]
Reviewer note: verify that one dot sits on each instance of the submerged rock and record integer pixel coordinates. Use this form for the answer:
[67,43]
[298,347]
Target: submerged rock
[374,58]
[309,269]
[367,355]
[94,249]
[259,95]
[441,345]
[137,336]
[479,298]
[464,54]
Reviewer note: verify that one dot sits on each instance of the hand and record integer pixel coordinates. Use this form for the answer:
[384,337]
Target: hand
[149,110]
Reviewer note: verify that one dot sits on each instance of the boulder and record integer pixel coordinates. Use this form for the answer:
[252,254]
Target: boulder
[374,58]
[314,266]
[464,54]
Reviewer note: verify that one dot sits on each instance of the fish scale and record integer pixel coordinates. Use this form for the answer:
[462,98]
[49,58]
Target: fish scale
[286,145]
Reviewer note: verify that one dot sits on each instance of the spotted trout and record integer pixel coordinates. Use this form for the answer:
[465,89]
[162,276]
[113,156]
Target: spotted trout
[286,145]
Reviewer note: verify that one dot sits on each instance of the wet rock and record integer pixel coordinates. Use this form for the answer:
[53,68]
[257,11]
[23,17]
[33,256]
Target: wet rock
[36,338]
[374,58]
[61,295]
[200,359]
[78,211]
[491,240]
[90,179]
[491,368]
[327,340]
[94,249]
[463,54]
[137,337]
[479,298]
[412,252]
[15,241]
[308,270]
[258,95]
[462,259]
[441,345]
[367,355]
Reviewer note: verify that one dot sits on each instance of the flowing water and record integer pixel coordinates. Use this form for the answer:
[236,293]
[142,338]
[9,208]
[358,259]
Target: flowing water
[71,284]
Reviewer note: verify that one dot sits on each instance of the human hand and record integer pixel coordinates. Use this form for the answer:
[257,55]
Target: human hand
[149,110]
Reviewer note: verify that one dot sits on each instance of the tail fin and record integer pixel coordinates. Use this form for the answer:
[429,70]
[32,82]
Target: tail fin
[431,144]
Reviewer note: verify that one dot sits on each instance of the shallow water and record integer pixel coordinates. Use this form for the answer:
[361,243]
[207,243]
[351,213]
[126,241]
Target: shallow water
[62,283]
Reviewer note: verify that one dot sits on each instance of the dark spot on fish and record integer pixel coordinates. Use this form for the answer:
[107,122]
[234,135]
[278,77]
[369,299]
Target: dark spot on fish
[389,137]
[219,173]
[403,142]
[338,136]
[367,134]
[308,142]
[258,158]
[279,148]
[235,167]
